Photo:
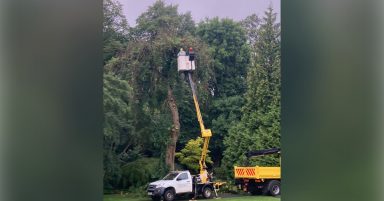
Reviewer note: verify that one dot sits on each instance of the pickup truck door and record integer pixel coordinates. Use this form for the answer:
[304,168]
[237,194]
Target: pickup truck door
[184,183]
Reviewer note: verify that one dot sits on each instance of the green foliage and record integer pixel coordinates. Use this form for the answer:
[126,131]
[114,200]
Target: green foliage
[114,22]
[152,66]
[238,86]
[115,29]
[251,24]
[263,96]
[149,66]
[140,172]
[228,41]
[190,155]
[259,127]
[152,69]
[231,54]
[226,113]
[220,174]
[237,143]
[161,18]
[117,127]
[117,98]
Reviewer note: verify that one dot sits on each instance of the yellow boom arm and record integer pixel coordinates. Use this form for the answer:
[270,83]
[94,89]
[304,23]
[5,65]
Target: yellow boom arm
[205,133]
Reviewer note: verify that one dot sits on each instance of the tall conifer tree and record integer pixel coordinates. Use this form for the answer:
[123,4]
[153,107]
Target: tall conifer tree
[260,124]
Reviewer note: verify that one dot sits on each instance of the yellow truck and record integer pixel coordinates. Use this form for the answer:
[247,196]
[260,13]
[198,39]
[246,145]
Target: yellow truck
[259,180]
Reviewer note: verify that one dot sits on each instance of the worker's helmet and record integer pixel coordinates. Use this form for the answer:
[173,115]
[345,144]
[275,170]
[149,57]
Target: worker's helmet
[191,54]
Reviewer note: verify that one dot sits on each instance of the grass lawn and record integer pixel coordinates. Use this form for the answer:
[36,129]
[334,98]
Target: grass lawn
[250,198]
[240,198]
[122,198]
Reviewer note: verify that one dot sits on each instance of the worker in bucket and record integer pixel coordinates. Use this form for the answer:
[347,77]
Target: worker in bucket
[182,52]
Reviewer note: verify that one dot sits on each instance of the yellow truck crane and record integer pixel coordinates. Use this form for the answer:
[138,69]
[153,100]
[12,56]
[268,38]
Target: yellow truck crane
[259,180]
[186,64]
[182,182]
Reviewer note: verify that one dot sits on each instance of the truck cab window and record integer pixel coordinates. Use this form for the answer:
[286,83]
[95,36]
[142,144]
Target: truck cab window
[183,176]
[170,176]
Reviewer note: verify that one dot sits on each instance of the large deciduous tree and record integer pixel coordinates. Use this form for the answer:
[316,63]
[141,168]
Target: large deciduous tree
[152,69]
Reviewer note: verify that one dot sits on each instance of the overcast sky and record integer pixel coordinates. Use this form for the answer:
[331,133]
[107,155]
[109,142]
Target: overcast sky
[235,9]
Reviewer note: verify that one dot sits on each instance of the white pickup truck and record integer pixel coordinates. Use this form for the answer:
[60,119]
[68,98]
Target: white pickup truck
[179,183]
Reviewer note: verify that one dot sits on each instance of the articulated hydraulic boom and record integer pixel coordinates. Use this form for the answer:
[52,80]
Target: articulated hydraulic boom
[205,133]
[186,64]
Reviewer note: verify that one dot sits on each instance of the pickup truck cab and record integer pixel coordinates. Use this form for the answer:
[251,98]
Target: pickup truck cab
[179,183]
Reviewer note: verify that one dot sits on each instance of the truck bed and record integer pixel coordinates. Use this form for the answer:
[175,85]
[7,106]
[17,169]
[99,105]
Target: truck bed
[257,172]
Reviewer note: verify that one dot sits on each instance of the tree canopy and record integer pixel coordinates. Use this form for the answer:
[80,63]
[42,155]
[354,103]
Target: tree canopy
[227,39]
[149,116]
[259,127]
[115,29]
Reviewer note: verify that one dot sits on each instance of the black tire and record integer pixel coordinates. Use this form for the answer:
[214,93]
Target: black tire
[253,189]
[169,195]
[207,192]
[274,188]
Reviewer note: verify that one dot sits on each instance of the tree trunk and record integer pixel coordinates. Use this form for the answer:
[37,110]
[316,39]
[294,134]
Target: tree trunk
[175,131]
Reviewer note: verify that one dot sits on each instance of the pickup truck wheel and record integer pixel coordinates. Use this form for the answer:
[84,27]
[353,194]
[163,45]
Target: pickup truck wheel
[274,188]
[169,195]
[207,192]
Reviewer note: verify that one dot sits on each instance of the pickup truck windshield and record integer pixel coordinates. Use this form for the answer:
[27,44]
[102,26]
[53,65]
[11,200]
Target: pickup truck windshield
[170,176]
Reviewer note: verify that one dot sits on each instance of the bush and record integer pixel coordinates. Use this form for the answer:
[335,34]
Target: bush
[219,173]
[229,187]
[137,174]
[190,155]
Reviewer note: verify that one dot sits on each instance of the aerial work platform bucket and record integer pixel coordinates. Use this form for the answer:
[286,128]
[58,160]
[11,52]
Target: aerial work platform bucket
[185,62]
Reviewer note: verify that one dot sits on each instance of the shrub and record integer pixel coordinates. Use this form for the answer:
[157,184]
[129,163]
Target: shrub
[139,173]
